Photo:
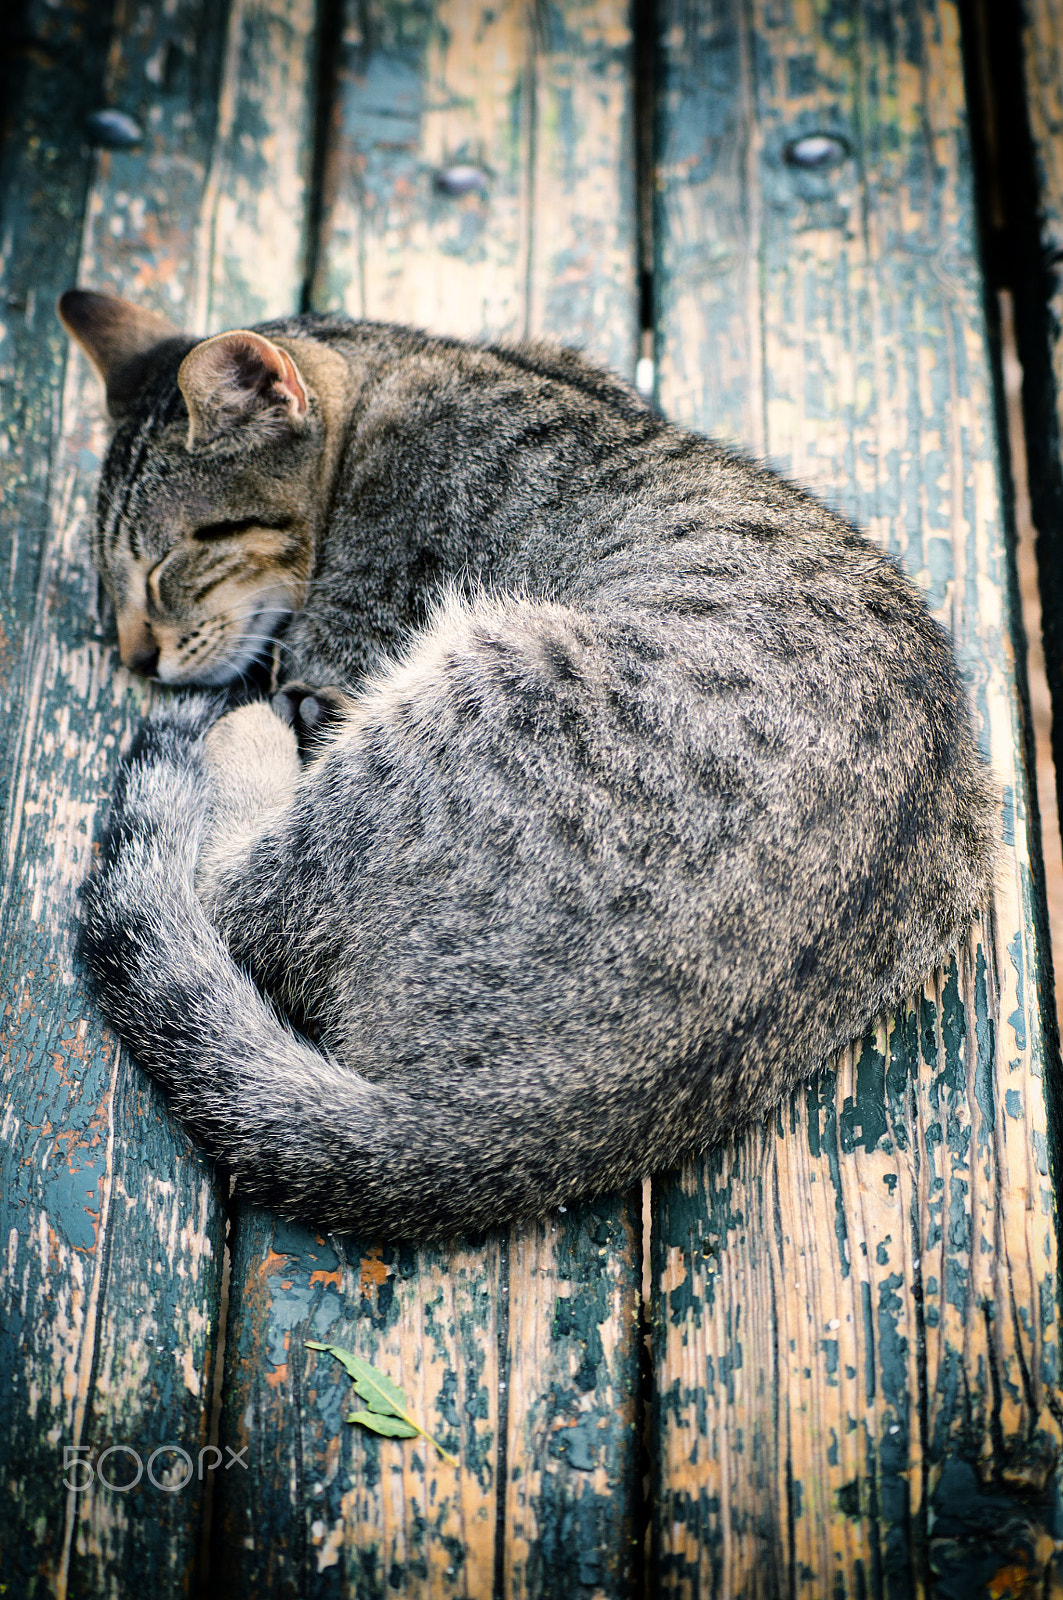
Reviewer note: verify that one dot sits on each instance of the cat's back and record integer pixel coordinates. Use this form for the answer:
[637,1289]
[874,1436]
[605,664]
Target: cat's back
[712,604]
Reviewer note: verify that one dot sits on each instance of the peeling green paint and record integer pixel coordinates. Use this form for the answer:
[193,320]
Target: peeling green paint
[823,1140]
[863,1120]
[985,1034]
[1017,1018]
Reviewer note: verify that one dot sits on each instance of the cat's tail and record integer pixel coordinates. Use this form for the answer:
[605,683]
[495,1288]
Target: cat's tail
[295,1129]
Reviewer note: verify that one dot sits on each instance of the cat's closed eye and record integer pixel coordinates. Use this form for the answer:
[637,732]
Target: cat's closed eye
[224,530]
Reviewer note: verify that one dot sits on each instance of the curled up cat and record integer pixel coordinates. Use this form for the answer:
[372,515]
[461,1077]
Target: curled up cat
[617,783]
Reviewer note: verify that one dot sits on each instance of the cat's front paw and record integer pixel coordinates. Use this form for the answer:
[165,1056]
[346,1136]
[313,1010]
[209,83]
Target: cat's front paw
[314,713]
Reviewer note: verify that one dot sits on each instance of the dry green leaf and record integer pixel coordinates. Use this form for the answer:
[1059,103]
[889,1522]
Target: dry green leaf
[390,1427]
[386,1401]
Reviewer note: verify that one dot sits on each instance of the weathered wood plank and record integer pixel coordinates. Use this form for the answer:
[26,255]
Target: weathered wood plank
[430,91]
[113,1227]
[582,271]
[45,170]
[526,113]
[571,1521]
[518,1355]
[326,1509]
[255,205]
[521,1352]
[83,1368]
[855,1322]
[1033,135]
[1043,60]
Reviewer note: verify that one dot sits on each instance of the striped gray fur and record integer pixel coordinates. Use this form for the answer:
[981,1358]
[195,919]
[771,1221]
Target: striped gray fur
[648,782]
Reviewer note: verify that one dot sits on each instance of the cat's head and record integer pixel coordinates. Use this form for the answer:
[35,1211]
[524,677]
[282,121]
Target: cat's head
[206,517]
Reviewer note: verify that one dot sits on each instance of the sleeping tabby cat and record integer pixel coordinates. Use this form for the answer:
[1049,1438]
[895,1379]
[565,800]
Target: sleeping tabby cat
[642,782]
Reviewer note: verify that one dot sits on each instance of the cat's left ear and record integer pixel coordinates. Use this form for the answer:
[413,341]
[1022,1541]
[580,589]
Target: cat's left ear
[122,341]
[240,380]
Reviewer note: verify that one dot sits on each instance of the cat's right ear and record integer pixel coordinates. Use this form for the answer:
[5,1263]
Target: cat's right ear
[118,339]
[241,381]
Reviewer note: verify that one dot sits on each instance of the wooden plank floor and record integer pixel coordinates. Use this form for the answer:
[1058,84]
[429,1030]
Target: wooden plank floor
[854,1385]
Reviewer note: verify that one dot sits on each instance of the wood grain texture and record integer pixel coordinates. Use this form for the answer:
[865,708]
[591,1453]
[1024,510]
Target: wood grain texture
[521,1353]
[856,1334]
[112,1226]
[1032,150]
[255,206]
[326,1509]
[517,1354]
[1042,41]
[537,100]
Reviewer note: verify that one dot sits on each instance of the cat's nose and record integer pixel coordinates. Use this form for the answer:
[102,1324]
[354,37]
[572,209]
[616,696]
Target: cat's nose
[145,661]
[137,646]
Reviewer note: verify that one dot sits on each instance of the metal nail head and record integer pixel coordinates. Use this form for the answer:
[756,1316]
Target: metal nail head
[463,178]
[814,152]
[114,130]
